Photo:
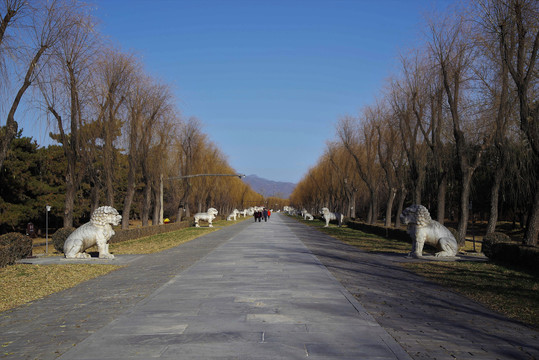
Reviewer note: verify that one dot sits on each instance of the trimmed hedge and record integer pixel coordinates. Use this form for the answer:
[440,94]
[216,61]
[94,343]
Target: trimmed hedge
[14,246]
[499,248]
[135,233]
[493,238]
[393,233]
[59,238]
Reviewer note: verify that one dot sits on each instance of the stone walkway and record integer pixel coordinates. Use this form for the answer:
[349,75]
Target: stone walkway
[261,291]
[429,321]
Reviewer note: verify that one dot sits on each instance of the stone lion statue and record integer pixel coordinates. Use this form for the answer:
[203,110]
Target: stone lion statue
[424,230]
[306,215]
[96,232]
[328,216]
[233,215]
[206,216]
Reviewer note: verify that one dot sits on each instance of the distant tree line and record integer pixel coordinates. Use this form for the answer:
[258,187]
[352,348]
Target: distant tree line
[457,129]
[120,137]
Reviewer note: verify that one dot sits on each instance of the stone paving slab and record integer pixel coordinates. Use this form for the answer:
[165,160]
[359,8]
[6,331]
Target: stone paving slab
[428,320]
[260,295]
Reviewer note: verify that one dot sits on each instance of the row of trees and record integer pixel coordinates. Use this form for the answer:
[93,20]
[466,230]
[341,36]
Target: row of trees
[461,117]
[120,136]
[34,177]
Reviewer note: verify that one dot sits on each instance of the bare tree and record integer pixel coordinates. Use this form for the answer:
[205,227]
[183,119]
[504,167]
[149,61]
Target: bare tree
[494,75]
[111,81]
[391,158]
[516,22]
[361,143]
[158,105]
[403,99]
[136,100]
[65,93]
[190,144]
[37,27]
[453,52]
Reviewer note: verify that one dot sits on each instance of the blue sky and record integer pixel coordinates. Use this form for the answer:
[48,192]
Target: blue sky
[268,79]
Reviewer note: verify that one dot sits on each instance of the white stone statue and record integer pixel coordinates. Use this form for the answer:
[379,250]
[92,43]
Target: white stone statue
[233,215]
[207,216]
[289,209]
[96,232]
[424,230]
[328,215]
[306,215]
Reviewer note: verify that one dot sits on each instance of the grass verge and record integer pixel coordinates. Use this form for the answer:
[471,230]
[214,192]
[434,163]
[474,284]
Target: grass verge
[23,283]
[159,242]
[511,292]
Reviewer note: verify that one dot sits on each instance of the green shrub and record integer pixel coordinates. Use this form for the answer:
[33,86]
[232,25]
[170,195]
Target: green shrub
[14,246]
[60,236]
[489,240]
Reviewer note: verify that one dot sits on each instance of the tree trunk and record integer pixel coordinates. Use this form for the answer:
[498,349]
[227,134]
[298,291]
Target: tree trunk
[108,167]
[69,198]
[532,228]
[400,207]
[179,213]
[353,206]
[94,197]
[369,214]
[157,205]
[442,189]
[464,209]
[418,187]
[130,191]
[389,206]
[146,203]
[494,198]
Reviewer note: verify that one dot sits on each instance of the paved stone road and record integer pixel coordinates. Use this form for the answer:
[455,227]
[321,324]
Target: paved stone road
[255,291]
[429,321]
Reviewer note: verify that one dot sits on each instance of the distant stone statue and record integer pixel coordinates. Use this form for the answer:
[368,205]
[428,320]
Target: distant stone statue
[306,215]
[424,230]
[206,216]
[96,232]
[233,215]
[328,216]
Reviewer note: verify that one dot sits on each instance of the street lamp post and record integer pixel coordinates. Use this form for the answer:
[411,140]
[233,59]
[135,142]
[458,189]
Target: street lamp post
[48,208]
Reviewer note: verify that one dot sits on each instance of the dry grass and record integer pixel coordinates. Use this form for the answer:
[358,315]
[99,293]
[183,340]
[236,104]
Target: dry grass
[160,242]
[364,241]
[23,283]
[512,292]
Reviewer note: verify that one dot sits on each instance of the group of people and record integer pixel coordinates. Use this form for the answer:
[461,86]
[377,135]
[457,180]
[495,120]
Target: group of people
[265,213]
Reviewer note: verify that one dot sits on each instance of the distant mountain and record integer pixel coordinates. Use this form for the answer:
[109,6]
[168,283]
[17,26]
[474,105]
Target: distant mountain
[270,188]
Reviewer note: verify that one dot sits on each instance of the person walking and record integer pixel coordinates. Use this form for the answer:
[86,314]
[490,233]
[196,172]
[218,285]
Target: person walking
[265,213]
